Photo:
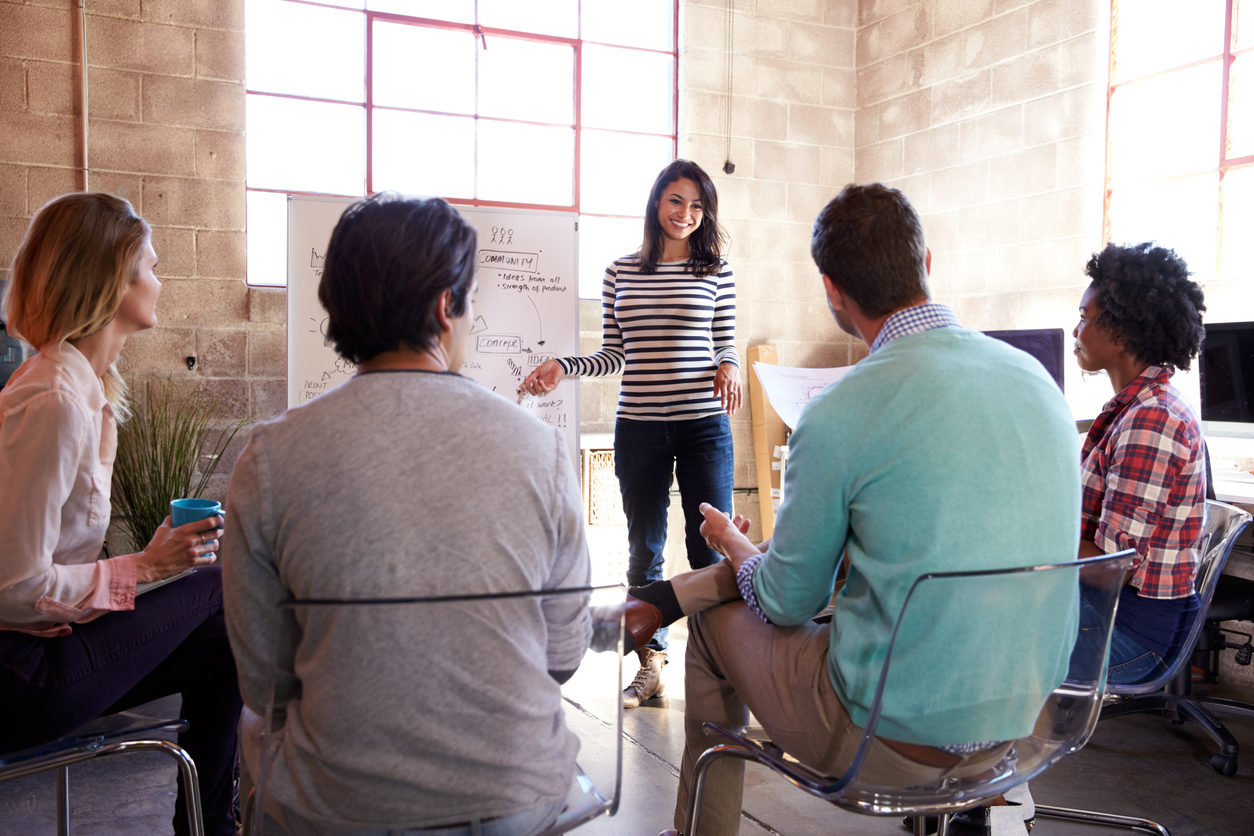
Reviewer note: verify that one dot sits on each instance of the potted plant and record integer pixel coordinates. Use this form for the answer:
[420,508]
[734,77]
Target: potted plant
[169,448]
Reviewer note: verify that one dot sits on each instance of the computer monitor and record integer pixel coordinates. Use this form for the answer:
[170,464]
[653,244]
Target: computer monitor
[1045,344]
[1225,368]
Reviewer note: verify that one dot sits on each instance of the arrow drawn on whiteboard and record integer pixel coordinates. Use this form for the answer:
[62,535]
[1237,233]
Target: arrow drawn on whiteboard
[539,321]
[478,325]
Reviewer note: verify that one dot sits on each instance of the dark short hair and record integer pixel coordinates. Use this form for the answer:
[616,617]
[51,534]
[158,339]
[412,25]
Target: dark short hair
[1148,302]
[388,261]
[869,241]
[706,242]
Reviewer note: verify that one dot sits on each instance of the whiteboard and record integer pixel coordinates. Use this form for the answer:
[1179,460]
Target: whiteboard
[526,311]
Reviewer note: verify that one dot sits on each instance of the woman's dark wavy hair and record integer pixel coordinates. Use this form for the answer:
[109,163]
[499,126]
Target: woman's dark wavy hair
[1148,302]
[388,261]
[706,242]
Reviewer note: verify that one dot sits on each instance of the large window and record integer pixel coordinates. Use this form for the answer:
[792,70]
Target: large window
[545,104]
[1180,131]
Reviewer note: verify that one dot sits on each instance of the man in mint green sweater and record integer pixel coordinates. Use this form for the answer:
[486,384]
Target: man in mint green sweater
[942,450]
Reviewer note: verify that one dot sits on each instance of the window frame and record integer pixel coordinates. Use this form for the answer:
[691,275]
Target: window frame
[484,34]
[1223,163]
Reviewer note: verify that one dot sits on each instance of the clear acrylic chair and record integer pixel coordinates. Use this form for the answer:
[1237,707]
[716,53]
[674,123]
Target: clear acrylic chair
[1059,713]
[591,699]
[1167,692]
[112,734]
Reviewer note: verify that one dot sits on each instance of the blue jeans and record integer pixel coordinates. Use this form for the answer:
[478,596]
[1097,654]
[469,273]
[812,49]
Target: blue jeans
[647,455]
[1128,662]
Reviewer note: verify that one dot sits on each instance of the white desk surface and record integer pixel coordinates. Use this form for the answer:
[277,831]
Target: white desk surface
[1234,486]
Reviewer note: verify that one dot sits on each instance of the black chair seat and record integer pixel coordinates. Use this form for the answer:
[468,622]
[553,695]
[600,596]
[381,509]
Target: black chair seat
[1233,601]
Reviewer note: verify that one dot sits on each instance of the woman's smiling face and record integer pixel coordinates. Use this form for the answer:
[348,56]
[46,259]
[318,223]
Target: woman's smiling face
[679,211]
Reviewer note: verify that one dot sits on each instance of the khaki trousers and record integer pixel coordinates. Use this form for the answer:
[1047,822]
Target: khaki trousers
[735,664]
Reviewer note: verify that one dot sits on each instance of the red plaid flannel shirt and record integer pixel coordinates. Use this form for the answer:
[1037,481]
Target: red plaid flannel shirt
[1144,483]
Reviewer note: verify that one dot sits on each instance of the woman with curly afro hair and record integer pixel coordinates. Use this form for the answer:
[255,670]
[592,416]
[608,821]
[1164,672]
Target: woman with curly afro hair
[1143,476]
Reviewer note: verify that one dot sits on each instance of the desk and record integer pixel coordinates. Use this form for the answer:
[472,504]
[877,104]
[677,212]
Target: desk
[1236,491]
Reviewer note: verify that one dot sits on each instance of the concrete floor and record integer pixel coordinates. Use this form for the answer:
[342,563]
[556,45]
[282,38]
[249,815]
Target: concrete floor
[1139,765]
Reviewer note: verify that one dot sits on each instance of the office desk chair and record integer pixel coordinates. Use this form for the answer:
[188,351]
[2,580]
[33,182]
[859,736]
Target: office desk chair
[1167,693]
[108,735]
[591,699]
[1068,710]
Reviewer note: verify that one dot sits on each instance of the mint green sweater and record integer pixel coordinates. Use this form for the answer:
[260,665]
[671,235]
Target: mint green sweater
[945,450]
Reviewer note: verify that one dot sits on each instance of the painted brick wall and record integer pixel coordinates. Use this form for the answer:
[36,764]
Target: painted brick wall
[165,130]
[982,111]
[990,115]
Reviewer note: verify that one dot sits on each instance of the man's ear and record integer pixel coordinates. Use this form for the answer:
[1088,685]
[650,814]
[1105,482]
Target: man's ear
[927,261]
[835,299]
[442,310]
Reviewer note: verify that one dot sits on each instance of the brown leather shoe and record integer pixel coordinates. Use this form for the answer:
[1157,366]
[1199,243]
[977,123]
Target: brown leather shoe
[640,621]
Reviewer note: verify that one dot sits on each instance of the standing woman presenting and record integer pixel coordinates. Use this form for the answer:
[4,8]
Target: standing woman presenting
[75,641]
[669,327]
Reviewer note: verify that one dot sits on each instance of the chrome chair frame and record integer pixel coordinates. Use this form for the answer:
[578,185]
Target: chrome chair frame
[1076,703]
[108,735]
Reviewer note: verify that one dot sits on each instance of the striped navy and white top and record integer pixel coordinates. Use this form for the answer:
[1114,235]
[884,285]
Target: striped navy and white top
[667,333]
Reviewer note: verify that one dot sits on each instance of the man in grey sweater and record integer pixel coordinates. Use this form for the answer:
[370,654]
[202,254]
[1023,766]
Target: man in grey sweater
[407,480]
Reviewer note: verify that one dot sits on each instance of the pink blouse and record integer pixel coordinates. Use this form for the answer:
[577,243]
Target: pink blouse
[58,438]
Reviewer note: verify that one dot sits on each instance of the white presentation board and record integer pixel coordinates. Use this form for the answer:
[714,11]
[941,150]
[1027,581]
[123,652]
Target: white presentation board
[526,311]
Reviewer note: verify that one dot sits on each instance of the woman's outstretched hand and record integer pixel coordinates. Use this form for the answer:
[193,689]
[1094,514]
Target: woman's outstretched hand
[172,550]
[727,386]
[543,378]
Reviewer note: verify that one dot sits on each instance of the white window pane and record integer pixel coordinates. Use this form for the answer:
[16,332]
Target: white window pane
[267,238]
[305,50]
[601,240]
[645,23]
[1241,107]
[526,163]
[527,80]
[628,89]
[298,145]
[417,153]
[1157,34]
[1191,143]
[1236,258]
[544,17]
[1242,26]
[1181,214]
[424,68]
[616,170]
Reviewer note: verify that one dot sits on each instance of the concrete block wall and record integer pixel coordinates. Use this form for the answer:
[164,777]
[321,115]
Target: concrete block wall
[165,130]
[987,113]
[990,115]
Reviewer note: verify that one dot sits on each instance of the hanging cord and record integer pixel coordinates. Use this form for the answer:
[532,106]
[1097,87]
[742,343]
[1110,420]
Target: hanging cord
[728,165]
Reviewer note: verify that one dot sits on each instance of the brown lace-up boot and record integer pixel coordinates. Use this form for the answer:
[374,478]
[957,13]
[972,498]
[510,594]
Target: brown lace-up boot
[648,681]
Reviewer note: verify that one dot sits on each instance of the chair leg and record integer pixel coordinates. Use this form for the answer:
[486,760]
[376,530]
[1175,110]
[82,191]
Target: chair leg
[1133,823]
[704,762]
[63,801]
[187,769]
[1225,762]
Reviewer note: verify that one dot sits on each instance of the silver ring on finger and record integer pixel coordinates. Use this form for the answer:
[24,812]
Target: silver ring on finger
[204,538]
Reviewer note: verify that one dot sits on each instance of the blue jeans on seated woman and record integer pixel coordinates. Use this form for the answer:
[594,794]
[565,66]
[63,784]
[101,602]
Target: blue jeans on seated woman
[696,453]
[1130,662]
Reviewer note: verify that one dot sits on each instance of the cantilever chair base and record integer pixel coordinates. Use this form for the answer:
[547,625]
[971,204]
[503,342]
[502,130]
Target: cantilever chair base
[105,736]
[1089,817]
